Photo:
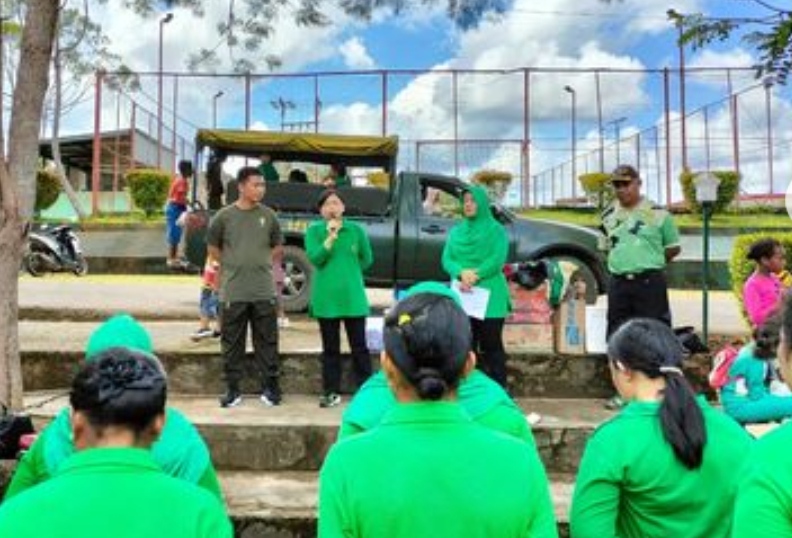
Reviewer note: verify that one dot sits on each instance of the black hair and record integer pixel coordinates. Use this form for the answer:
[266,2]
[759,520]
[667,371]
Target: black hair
[651,347]
[185,168]
[763,248]
[325,194]
[246,172]
[766,337]
[428,338]
[625,171]
[120,387]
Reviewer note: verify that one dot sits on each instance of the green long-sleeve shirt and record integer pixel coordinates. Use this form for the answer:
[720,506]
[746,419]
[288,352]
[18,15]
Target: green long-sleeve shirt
[180,451]
[764,499]
[630,484]
[119,492]
[338,289]
[426,471]
[490,273]
[483,400]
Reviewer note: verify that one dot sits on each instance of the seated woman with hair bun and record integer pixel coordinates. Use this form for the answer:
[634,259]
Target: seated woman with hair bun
[427,469]
[112,486]
[668,464]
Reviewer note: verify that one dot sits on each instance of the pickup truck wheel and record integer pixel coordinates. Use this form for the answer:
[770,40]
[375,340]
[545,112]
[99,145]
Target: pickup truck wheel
[297,272]
[574,268]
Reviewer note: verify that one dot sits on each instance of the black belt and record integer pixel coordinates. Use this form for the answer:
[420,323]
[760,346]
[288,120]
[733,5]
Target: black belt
[638,276]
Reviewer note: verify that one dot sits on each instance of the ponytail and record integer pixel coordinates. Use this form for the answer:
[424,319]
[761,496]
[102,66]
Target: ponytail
[650,347]
[682,421]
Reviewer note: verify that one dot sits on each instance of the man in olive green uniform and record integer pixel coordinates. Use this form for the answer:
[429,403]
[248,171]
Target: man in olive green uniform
[642,240]
[242,236]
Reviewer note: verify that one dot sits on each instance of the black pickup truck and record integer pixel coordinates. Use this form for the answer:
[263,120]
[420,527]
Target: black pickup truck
[407,238]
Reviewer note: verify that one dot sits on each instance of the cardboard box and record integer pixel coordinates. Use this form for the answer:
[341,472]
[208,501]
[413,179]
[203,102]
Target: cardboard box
[528,338]
[529,306]
[570,328]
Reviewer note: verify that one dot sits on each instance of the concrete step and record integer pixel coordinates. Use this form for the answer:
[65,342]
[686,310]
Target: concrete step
[279,505]
[296,435]
[51,352]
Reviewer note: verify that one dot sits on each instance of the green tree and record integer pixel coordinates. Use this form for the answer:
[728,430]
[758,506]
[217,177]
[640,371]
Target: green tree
[770,33]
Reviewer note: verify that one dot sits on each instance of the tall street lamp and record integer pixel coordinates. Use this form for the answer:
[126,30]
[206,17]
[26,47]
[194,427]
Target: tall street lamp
[216,96]
[163,21]
[617,134]
[706,184]
[571,91]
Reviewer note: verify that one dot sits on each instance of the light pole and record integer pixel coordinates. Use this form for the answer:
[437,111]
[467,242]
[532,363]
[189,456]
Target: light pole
[571,91]
[617,133]
[282,105]
[216,96]
[706,184]
[768,87]
[163,21]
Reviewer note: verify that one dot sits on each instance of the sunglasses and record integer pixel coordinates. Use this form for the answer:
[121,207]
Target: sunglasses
[621,184]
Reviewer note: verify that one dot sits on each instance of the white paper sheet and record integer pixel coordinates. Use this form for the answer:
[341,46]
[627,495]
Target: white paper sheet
[474,301]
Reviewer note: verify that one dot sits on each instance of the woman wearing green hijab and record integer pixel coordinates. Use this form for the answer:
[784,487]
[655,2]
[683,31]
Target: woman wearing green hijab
[474,254]
[180,449]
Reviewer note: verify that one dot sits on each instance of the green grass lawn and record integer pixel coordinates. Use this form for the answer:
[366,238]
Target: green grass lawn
[745,221]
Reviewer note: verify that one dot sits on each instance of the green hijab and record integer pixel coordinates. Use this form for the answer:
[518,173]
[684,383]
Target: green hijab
[471,241]
[180,451]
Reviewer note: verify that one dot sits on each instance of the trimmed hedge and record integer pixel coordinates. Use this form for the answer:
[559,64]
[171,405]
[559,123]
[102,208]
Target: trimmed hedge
[495,181]
[727,190]
[597,188]
[741,268]
[148,188]
[48,188]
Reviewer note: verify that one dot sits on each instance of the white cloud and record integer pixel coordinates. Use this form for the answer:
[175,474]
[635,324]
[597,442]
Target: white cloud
[355,54]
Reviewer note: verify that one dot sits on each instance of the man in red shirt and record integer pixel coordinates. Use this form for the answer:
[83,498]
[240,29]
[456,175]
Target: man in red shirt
[177,205]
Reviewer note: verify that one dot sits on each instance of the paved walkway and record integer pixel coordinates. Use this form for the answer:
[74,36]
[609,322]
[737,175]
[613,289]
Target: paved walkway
[168,304]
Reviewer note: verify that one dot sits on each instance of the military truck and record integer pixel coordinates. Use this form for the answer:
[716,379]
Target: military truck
[407,236]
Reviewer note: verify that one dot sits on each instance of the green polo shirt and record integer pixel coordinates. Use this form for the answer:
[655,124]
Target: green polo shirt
[764,500]
[118,492]
[429,471]
[338,289]
[638,237]
[483,400]
[245,238]
[630,484]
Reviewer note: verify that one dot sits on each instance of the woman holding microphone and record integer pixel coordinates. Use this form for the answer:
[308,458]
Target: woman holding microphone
[340,251]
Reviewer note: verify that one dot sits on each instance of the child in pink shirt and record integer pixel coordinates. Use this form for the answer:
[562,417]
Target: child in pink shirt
[763,289]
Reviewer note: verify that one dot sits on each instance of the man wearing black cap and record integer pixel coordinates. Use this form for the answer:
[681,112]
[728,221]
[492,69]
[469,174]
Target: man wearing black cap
[642,239]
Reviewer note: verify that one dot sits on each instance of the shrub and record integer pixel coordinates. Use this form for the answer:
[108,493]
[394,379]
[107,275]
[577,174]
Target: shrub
[381,180]
[597,188]
[48,188]
[727,190]
[495,181]
[148,189]
[741,268]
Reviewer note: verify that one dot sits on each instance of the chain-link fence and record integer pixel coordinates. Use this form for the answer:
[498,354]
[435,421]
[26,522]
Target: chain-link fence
[544,126]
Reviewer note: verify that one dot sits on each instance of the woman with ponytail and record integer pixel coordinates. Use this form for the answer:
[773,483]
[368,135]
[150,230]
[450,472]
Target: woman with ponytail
[666,465]
[427,469]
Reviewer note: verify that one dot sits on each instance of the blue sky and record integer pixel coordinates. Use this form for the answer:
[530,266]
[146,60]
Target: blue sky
[574,34]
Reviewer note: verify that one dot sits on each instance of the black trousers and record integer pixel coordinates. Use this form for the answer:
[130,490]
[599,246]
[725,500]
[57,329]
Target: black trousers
[330,329]
[488,346]
[645,295]
[263,320]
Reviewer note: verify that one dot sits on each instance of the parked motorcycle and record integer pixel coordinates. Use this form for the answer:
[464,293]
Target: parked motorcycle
[54,249]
